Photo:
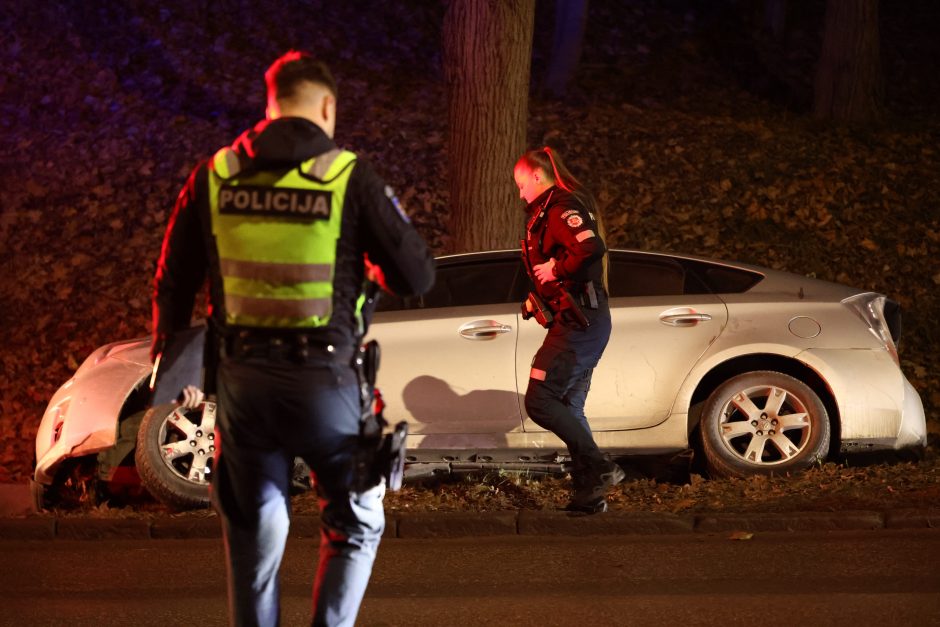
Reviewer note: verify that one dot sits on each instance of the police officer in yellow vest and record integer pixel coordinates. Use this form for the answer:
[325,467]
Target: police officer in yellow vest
[284,225]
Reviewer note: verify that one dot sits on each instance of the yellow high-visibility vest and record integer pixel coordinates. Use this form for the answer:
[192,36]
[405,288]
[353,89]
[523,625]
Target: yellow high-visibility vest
[276,233]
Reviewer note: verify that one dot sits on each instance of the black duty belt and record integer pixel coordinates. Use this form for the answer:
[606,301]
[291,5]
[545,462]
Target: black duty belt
[289,346]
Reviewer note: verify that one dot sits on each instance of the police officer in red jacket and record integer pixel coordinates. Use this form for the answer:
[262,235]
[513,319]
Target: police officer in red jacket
[284,224]
[564,252]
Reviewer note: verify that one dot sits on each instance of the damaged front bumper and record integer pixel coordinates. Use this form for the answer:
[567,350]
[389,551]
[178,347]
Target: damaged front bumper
[82,416]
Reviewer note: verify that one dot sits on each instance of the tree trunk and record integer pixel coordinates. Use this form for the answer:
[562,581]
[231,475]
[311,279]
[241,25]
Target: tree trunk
[849,84]
[570,20]
[487,58]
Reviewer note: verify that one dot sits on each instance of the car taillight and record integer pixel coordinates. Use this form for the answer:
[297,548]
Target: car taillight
[882,316]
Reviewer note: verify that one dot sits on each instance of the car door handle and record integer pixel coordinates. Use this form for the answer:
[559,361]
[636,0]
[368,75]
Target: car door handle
[683,317]
[483,329]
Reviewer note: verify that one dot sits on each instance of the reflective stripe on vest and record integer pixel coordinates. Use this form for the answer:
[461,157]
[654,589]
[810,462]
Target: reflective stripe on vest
[276,233]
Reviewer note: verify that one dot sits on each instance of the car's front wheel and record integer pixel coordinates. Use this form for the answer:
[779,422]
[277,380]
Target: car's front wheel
[763,423]
[175,454]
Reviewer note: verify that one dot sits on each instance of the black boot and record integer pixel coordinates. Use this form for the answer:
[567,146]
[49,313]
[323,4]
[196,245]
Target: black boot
[581,497]
[591,489]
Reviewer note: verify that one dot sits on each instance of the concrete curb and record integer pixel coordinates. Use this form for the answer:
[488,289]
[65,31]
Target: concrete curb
[454,524]
[428,525]
[791,521]
[18,522]
[913,519]
[539,523]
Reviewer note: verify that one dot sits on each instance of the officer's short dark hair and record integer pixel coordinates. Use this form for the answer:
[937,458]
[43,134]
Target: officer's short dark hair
[293,68]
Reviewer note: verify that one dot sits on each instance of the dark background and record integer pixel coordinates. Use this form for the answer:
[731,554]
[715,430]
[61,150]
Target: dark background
[691,126]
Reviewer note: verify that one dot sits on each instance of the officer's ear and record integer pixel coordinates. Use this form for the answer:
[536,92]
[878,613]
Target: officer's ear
[328,112]
[273,109]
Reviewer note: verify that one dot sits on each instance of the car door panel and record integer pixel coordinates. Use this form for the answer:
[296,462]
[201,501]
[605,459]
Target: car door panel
[664,318]
[646,361]
[450,370]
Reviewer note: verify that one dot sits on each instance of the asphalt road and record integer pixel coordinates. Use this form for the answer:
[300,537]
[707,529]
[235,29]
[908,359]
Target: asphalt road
[858,578]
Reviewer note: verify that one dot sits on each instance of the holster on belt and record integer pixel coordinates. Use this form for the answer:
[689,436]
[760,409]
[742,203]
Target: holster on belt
[569,310]
[378,456]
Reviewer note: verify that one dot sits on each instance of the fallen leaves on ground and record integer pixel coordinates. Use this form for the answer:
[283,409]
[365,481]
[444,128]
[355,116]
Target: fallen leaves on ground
[828,487]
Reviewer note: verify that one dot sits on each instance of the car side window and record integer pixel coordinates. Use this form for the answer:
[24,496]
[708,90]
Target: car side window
[464,285]
[636,274]
[633,277]
[724,280]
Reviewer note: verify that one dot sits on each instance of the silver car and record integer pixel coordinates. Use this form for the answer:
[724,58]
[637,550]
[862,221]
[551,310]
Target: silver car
[762,371]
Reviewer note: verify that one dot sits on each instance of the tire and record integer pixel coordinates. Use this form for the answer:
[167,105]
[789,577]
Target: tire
[762,423]
[170,443]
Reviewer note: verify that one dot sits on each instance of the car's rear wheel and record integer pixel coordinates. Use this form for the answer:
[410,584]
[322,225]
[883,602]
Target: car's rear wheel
[175,454]
[763,422]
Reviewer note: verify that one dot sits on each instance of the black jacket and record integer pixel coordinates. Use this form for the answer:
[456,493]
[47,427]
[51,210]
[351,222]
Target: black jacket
[372,224]
[561,225]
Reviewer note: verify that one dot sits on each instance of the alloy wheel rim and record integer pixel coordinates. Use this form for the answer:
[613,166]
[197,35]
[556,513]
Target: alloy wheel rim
[187,449]
[765,425]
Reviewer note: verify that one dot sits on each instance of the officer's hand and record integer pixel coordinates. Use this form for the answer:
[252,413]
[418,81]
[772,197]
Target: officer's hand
[191,397]
[545,272]
[374,273]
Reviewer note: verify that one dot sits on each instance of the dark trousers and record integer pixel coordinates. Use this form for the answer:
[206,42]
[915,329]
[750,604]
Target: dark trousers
[559,384]
[271,411]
